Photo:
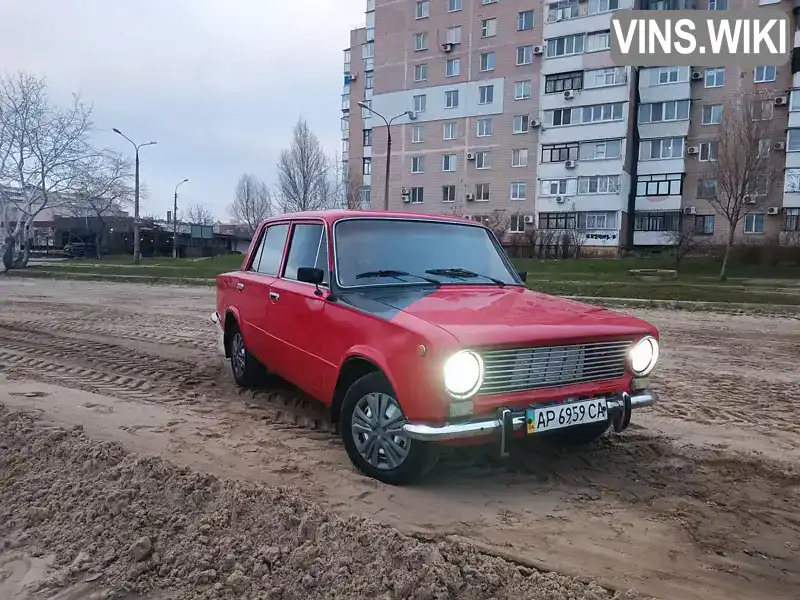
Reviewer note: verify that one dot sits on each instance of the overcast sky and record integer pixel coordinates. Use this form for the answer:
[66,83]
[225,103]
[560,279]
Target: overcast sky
[218,83]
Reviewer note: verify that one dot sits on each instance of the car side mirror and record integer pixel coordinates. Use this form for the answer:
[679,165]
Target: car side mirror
[523,275]
[310,275]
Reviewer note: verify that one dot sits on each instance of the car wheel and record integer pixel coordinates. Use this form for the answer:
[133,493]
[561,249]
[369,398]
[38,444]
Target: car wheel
[245,368]
[580,435]
[372,431]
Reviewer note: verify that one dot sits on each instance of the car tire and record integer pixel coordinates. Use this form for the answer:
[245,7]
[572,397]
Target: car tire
[420,457]
[245,368]
[580,435]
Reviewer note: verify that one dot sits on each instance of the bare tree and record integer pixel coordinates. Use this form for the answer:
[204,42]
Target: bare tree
[686,239]
[304,179]
[48,146]
[498,222]
[742,166]
[573,240]
[199,215]
[252,202]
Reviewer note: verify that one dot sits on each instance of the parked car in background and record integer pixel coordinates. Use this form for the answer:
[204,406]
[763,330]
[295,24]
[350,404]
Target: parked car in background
[417,331]
[80,250]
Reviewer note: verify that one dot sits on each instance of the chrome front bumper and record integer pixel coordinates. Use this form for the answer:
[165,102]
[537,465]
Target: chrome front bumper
[509,421]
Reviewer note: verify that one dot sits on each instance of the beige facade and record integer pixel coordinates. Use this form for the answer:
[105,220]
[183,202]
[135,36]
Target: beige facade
[516,106]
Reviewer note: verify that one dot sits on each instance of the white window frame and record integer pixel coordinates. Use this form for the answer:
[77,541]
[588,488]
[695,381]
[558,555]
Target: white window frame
[517,224]
[450,125]
[526,85]
[519,157]
[708,152]
[713,110]
[604,185]
[669,75]
[490,62]
[420,41]
[524,55]
[418,128]
[488,27]
[420,103]
[573,44]
[793,140]
[601,150]
[416,195]
[453,35]
[422,9]
[712,76]
[420,72]
[524,124]
[486,94]
[451,197]
[597,41]
[521,20]
[649,155]
[451,99]
[518,191]
[750,220]
[454,5]
[449,163]
[792,181]
[483,160]
[597,7]
[599,78]
[482,192]
[676,107]
[551,188]
[417,165]
[484,127]
[765,74]
[794,100]
[455,71]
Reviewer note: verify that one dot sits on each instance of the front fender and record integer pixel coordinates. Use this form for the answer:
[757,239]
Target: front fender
[374,356]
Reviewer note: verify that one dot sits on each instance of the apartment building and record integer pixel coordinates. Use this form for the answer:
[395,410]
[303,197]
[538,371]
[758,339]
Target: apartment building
[516,105]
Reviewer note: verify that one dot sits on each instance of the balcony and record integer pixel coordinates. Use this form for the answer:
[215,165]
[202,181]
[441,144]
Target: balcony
[669,5]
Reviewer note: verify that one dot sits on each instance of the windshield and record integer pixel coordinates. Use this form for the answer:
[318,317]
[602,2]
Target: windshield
[368,246]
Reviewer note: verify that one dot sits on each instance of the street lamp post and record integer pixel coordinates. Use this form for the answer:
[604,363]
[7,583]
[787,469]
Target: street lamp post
[137,255]
[388,148]
[175,221]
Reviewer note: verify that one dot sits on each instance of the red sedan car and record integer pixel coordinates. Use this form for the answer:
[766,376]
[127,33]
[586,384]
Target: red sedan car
[417,330]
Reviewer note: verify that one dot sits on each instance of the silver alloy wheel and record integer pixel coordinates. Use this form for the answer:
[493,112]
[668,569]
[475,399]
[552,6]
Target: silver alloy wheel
[238,355]
[377,426]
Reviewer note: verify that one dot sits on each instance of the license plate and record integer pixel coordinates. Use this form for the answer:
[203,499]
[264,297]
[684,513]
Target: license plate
[548,418]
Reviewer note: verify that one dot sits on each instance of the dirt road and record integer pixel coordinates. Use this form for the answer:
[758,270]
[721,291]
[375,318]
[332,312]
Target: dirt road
[700,498]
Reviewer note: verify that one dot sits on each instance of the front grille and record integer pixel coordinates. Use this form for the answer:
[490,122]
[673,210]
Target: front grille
[523,369]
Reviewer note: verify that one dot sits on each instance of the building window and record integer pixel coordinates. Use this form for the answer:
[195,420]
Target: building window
[452,67]
[454,35]
[517,224]
[793,140]
[420,42]
[451,99]
[661,149]
[522,90]
[524,55]
[596,42]
[483,160]
[560,152]
[597,220]
[482,192]
[448,193]
[453,5]
[764,74]
[715,77]
[562,10]
[486,94]
[601,6]
[598,184]
[488,28]
[598,78]
[763,111]
[450,131]
[525,20]
[794,98]
[708,151]
[422,9]
[519,190]
[712,114]
[598,113]
[791,219]
[562,82]
[418,133]
[754,223]
[557,220]
[519,157]
[487,61]
[717,4]
[521,124]
[668,75]
[565,46]
[558,187]
[601,150]
[421,72]
[366,113]
[657,221]
[367,166]
[792,183]
[369,79]
[707,188]
[368,50]
[670,184]
[764,147]
[417,164]
[704,224]
[415,195]
[449,162]
[758,186]
[367,137]
[420,103]
[484,127]
[658,112]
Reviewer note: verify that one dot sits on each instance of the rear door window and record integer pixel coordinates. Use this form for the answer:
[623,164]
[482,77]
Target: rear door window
[272,252]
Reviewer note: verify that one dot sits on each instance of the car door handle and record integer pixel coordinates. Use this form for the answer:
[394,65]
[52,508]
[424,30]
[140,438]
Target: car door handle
[240,286]
[274,296]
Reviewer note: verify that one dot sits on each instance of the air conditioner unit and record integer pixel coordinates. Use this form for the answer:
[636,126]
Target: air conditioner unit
[773,210]
[470,156]
[780,146]
[693,149]
[560,199]
[781,101]
[404,192]
[569,94]
[538,50]
[535,123]
[447,47]
[353,76]
[470,196]
[412,115]
[749,200]
[528,219]
[696,75]
[689,210]
[571,164]
[406,199]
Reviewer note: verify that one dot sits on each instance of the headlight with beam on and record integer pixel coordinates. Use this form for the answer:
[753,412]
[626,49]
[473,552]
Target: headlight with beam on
[463,374]
[643,356]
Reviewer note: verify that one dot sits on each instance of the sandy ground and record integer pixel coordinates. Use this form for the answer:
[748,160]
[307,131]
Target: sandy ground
[700,498]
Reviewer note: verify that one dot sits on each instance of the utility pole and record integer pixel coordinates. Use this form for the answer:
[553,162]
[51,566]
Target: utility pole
[137,251]
[388,148]
[175,221]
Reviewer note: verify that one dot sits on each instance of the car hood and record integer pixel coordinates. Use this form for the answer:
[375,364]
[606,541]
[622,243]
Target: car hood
[483,315]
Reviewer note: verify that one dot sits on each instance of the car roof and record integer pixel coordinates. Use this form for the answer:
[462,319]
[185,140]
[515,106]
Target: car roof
[333,215]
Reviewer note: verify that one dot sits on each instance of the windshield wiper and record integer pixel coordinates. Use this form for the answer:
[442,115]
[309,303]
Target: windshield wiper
[464,274]
[397,275]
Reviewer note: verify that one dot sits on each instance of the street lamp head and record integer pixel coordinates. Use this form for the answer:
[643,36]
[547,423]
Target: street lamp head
[115,130]
[185,180]
[362,104]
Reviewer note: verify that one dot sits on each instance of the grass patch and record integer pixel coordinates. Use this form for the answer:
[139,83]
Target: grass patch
[206,268]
